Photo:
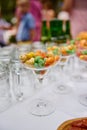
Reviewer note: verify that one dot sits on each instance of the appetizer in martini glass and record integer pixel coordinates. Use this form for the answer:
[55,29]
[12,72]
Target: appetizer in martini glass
[40,62]
[82,57]
[67,52]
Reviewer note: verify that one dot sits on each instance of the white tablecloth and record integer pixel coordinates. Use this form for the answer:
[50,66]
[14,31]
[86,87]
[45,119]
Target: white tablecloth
[18,117]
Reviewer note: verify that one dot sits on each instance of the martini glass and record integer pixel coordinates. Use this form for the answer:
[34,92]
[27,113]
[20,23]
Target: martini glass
[63,86]
[41,107]
[83,75]
[80,69]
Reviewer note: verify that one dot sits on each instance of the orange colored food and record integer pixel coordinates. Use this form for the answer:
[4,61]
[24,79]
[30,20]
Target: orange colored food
[83,57]
[50,61]
[40,59]
[54,47]
[76,124]
[57,58]
[82,36]
[82,44]
[63,51]
[38,53]
[43,72]
[43,55]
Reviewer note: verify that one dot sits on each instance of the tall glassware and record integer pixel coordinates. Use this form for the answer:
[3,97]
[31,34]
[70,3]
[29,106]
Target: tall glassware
[19,74]
[6,54]
[5,95]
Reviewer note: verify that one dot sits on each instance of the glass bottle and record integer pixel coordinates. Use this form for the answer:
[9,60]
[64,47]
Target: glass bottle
[54,30]
[61,34]
[45,32]
[67,31]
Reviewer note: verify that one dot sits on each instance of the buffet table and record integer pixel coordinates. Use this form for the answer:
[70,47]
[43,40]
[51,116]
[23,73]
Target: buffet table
[17,117]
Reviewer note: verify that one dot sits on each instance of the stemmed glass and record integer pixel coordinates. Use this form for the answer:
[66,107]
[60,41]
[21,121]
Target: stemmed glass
[82,58]
[80,66]
[62,86]
[41,107]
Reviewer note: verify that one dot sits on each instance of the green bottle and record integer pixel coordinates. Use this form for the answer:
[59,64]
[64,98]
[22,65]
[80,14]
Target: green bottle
[45,32]
[67,32]
[60,31]
[54,30]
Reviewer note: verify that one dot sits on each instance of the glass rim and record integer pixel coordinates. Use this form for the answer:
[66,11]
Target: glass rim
[41,69]
[68,56]
[82,61]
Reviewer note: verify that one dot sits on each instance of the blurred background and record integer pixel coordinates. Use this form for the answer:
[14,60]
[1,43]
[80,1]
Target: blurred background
[41,20]
[8,7]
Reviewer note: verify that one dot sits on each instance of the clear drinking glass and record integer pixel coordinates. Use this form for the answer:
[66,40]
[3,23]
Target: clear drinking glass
[67,54]
[38,46]
[80,75]
[79,72]
[21,78]
[62,86]
[5,96]
[41,107]
[22,48]
[22,81]
[6,54]
[83,78]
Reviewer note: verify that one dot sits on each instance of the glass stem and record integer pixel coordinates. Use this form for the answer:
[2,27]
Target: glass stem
[40,80]
[72,63]
[19,93]
[61,70]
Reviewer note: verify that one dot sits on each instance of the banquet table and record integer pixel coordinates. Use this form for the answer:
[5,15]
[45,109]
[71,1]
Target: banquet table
[67,106]
[18,117]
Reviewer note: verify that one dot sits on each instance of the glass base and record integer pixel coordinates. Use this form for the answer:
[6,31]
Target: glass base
[40,107]
[78,78]
[20,97]
[83,100]
[62,89]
